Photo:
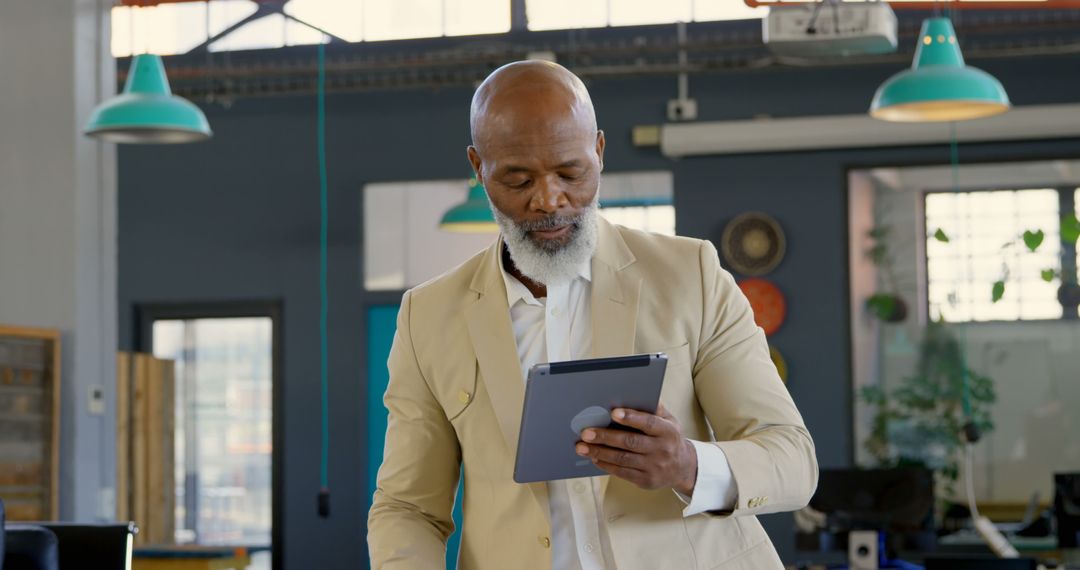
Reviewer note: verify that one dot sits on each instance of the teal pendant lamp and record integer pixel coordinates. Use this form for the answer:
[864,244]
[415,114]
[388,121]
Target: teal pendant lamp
[939,86]
[471,216]
[147,112]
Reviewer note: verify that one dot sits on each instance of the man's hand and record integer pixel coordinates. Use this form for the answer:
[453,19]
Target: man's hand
[658,458]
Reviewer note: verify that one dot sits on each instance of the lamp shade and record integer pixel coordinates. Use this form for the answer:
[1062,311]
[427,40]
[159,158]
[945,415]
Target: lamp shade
[147,112]
[473,215]
[939,86]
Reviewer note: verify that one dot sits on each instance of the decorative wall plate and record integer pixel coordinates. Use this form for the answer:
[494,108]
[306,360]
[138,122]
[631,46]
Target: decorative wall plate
[781,364]
[753,243]
[768,303]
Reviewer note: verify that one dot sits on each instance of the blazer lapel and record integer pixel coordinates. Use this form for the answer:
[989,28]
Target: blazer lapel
[492,335]
[615,296]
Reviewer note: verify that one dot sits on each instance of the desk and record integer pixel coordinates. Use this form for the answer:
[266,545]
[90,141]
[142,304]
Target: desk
[190,558]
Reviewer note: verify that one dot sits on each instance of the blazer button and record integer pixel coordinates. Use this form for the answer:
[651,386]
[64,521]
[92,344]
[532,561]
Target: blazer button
[463,397]
[544,541]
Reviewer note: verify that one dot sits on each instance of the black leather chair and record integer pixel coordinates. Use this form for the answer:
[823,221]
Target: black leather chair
[30,547]
[107,545]
[65,546]
[26,547]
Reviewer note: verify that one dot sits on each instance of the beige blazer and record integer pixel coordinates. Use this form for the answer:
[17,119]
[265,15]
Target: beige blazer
[455,397]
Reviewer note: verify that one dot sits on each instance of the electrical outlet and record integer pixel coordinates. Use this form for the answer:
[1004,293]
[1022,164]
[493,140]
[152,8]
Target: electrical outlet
[682,109]
[96,400]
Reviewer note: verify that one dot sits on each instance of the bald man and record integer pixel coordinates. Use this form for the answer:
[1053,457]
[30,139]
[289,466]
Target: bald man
[560,284]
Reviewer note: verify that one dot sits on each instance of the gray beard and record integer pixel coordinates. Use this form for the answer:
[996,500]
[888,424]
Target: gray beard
[550,263]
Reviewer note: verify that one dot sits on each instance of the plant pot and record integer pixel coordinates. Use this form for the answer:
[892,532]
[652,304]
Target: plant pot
[1069,295]
[889,308]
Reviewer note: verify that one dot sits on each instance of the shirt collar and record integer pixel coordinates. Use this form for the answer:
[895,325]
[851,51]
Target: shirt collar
[517,291]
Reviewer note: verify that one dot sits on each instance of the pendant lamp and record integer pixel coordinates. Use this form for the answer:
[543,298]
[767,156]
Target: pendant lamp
[939,86]
[147,112]
[471,216]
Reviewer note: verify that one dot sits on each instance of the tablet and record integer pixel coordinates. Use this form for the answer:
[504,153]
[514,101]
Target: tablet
[564,398]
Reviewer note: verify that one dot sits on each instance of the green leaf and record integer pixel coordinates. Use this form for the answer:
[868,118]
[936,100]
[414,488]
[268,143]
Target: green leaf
[879,232]
[879,253]
[1070,229]
[1033,239]
[998,291]
[1048,275]
[940,236]
[881,305]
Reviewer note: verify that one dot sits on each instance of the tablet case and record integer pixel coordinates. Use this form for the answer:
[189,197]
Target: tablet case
[563,398]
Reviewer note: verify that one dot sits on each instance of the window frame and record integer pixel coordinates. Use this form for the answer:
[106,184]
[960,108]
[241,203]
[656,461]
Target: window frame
[145,316]
[1064,196]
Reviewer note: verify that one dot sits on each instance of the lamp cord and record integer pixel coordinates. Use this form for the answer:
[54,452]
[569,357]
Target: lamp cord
[324,300]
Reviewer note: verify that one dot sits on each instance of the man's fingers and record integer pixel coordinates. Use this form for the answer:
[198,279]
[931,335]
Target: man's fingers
[633,475]
[662,412]
[621,439]
[646,422]
[613,456]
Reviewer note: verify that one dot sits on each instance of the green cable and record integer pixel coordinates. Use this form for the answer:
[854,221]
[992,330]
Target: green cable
[965,395]
[324,300]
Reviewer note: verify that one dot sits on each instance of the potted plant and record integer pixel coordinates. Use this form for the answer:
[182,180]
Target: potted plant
[886,305]
[921,421]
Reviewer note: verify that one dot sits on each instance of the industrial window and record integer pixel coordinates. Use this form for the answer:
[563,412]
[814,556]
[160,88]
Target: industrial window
[404,246]
[655,218]
[223,422]
[567,14]
[177,28]
[976,251]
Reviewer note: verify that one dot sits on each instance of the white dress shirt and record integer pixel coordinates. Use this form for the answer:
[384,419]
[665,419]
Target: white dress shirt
[558,328]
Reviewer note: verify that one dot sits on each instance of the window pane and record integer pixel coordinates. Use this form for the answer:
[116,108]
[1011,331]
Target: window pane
[223,427]
[403,245]
[656,219]
[708,10]
[264,33]
[635,12]
[401,19]
[297,34]
[343,18]
[566,14]
[172,28]
[467,17]
[985,244]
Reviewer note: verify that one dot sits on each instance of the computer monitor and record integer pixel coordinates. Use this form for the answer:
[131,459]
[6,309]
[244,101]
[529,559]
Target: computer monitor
[979,563]
[898,501]
[1067,509]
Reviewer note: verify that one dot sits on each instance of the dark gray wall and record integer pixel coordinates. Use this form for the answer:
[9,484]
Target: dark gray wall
[237,218]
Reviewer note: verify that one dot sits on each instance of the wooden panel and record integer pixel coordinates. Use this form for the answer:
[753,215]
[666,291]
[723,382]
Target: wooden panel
[145,471]
[139,408]
[29,422]
[54,467]
[123,436]
[154,455]
[168,445]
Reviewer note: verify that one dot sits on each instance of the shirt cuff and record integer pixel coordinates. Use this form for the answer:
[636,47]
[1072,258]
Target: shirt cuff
[714,488]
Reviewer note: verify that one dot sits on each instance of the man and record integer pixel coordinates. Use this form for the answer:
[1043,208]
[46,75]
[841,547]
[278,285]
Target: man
[561,284]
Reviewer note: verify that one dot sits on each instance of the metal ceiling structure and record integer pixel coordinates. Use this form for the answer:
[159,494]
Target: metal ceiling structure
[434,63]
